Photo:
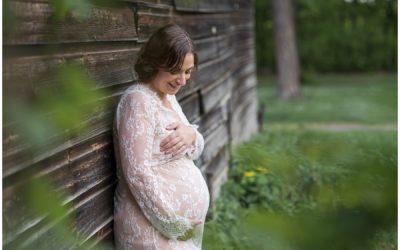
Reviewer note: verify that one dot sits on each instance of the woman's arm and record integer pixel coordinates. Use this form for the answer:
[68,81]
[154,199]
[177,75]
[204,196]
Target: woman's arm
[136,125]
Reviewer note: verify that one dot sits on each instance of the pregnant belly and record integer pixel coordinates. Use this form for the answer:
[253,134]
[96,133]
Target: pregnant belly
[183,185]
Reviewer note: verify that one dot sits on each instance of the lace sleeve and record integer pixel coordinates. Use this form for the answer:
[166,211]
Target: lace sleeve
[194,151]
[136,126]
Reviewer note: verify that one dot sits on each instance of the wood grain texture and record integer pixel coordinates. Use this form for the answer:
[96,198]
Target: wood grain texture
[150,18]
[35,25]
[25,76]
[217,173]
[216,140]
[206,6]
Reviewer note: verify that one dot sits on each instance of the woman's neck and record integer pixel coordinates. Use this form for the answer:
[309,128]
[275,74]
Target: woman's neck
[161,95]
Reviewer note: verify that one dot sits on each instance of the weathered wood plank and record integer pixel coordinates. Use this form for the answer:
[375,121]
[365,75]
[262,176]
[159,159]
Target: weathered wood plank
[217,173]
[19,216]
[97,122]
[93,168]
[212,119]
[201,26]
[48,238]
[214,142]
[216,93]
[96,125]
[211,71]
[151,2]
[22,225]
[206,6]
[17,155]
[103,234]
[191,107]
[208,25]
[244,119]
[242,85]
[98,204]
[248,96]
[24,77]
[108,67]
[34,25]
[246,5]
[207,48]
[150,17]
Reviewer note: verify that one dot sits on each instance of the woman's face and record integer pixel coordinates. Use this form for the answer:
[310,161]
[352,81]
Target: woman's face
[166,83]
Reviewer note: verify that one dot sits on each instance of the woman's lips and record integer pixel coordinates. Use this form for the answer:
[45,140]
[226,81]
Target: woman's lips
[172,86]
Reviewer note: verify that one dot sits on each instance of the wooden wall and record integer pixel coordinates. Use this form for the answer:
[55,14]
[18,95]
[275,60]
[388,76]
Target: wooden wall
[221,98]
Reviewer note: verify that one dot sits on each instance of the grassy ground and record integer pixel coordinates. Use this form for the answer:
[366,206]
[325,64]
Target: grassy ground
[367,99]
[318,187]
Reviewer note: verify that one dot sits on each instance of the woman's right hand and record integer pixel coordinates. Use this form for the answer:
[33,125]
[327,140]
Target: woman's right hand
[190,233]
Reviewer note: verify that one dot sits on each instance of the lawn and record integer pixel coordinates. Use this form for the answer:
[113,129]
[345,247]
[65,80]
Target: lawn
[334,98]
[301,188]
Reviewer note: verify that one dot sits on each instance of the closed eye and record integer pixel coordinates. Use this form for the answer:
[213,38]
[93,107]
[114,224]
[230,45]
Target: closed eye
[189,70]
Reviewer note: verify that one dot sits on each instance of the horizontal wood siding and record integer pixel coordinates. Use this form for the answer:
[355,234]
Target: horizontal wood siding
[220,98]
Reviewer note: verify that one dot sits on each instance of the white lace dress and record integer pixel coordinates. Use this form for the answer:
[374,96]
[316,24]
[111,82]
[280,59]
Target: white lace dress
[157,195]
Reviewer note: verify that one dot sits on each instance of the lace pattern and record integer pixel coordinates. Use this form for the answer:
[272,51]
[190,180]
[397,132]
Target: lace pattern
[158,196]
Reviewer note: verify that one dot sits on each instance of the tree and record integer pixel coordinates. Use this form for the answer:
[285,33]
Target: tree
[286,49]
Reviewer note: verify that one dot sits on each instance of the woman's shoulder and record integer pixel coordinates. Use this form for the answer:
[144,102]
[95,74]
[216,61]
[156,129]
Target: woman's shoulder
[138,89]
[136,99]
[139,92]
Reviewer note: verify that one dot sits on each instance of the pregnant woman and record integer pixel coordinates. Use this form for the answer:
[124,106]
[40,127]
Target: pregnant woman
[161,199]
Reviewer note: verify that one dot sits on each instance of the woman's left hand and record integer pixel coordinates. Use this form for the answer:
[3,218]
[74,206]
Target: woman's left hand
[179,140]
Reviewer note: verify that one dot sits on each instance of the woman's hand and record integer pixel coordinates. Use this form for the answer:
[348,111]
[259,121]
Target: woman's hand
[190,233]
[179,140]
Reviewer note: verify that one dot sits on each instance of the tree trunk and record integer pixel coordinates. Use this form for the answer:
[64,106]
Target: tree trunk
[286,49]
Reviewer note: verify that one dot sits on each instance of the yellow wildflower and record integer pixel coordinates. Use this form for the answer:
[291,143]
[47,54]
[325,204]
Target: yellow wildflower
[262,169]
[249,173]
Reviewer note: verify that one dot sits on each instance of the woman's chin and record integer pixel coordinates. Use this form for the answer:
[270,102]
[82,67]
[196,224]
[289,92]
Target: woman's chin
[174,90]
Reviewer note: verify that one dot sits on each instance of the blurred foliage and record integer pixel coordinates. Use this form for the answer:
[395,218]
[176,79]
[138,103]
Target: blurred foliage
[308,190]
[49,206]
[335,35]
[60,109]
[80,9]
[44,203]
[367,98]
[55,114]
[63,7]
[9,20]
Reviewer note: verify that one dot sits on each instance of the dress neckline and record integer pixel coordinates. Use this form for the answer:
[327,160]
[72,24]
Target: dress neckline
[155,95]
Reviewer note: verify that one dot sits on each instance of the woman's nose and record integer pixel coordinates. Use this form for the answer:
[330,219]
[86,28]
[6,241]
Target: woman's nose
[182,79]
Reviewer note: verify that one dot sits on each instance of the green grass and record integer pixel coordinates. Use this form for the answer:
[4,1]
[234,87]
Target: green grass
[368,99]
[314,187]
[345,179]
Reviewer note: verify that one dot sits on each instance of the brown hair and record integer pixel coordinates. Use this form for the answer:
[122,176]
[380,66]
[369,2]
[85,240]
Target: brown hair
[166,49]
